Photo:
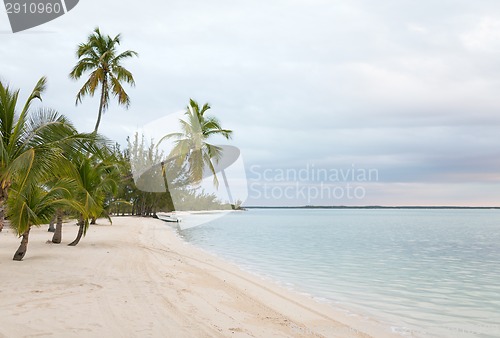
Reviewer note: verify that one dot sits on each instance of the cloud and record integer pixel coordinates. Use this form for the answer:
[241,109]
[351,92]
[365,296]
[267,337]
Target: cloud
[416,28]
[410,88]
[485,37]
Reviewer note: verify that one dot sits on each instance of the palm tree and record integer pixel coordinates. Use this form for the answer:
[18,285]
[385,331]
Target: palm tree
[70,172]
[22,137]
[191,144]
[99,56]
[11,135]
[33,204]
[95,180]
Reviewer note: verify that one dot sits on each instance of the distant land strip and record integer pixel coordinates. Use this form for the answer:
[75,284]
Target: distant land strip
[365,207]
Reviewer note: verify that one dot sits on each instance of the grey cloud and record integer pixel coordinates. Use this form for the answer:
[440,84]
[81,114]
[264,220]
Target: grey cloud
[409,87]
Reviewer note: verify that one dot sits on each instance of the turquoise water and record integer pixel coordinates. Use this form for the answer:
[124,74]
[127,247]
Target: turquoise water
[427,273]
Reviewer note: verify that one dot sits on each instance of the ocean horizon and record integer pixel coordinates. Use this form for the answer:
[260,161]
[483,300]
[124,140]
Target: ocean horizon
[425,272]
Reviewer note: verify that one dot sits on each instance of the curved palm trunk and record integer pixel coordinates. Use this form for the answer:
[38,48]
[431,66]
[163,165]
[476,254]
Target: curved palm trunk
[101,105]
[21,251]
[81,224]
[170,202]
[231,201]
[58,233]
[51,224]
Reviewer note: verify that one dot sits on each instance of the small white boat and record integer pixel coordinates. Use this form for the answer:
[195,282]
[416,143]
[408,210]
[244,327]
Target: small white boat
[168,217]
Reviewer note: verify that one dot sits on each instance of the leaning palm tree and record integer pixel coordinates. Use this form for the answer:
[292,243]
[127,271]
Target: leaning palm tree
[95,180]
[191,144]
[99,56]
[32,204]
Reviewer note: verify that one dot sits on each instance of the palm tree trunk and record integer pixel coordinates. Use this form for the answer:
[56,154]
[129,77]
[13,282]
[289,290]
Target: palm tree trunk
[51,224]
[58,233]
[93,220]
[2,217]
[21,251]
[3,199]
[228,189]
[81,224]
[101,105]
[170,202]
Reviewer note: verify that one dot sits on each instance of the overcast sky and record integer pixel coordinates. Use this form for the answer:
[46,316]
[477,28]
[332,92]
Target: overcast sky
[409,88]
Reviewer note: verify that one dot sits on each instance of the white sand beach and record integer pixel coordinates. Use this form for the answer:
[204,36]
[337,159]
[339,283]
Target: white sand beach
[136,278]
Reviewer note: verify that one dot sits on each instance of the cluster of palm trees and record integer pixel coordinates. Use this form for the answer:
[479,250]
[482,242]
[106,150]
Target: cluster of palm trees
[46,166]
[49,169]
[39,165]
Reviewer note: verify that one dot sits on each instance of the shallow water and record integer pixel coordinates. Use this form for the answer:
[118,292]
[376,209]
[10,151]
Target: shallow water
[429,273]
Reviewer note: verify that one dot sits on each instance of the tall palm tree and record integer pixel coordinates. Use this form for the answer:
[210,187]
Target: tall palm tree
[191,144]
[99,56]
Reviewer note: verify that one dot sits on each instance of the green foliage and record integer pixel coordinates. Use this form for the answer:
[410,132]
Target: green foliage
[34,167]
[142,159]
[191,145]
[35,204]
[96,180]
[197,199]
[99,56]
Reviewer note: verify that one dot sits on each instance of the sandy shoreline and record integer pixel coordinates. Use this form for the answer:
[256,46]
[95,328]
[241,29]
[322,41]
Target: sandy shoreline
[136,278]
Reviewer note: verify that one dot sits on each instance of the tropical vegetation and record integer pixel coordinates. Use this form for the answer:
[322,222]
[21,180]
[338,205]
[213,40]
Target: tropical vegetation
[49,171]
[33,145]
[191,144]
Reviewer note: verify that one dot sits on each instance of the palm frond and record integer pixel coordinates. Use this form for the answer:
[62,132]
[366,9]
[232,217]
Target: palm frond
[123,74]
[170,136]
[8,102]
[125,55]
[35,94]
[119,92]
[90,85]
[83,66]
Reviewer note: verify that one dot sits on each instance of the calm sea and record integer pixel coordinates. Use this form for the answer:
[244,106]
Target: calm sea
[427,273]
